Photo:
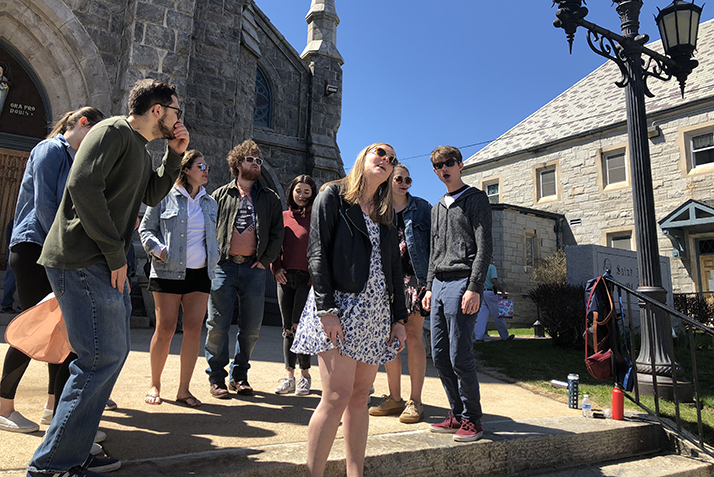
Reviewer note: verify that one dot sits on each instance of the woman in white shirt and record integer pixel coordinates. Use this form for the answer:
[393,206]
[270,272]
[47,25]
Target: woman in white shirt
[180,237]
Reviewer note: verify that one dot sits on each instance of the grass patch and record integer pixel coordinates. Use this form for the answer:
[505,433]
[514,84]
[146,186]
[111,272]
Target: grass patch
[534,363]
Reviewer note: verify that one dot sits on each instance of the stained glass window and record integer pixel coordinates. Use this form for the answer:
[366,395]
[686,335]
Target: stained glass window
[263,100]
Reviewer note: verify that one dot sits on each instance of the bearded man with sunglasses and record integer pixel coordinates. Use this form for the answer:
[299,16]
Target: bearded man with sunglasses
[250,234]
[460,254]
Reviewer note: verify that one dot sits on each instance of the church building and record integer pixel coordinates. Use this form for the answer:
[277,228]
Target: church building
[237,76]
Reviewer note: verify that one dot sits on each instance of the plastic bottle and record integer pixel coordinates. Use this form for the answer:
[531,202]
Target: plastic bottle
[618,404]
[587,407]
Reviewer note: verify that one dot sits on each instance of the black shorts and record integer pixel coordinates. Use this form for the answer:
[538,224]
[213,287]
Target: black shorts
[196,281]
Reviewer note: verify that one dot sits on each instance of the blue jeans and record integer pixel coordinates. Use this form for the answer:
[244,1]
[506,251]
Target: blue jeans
[452,349]
[97,318]
[249,284]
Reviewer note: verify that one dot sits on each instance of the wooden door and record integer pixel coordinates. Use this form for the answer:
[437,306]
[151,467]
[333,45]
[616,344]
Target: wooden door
[12,167]
[706,272]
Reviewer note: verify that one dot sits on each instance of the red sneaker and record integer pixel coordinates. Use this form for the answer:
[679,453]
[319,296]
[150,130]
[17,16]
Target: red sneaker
[468,432]
[450,425]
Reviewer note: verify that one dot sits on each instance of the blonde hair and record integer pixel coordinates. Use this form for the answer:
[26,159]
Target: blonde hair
[352,188]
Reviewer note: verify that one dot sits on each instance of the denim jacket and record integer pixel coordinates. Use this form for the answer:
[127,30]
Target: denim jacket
[167,225]
[41,190]
[417,231]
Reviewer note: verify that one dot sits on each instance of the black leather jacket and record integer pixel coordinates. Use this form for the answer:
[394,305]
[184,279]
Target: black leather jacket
[339,249]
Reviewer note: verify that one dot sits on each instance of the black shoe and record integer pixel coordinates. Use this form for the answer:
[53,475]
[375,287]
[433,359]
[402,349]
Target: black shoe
[102,464]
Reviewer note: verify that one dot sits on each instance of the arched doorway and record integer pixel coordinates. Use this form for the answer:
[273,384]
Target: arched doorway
[24,119]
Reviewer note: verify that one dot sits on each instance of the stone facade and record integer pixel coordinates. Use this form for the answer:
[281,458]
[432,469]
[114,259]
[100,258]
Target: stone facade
[515,231]
[91,52]
[574,136]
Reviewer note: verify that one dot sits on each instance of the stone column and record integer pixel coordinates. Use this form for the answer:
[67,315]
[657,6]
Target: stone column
[156,44]
[325,63]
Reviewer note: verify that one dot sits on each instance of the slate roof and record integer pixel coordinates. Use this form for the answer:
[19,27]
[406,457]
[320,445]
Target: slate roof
[595,101]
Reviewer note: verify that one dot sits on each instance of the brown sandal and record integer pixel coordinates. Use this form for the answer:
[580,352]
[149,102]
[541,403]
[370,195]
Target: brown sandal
[189,401]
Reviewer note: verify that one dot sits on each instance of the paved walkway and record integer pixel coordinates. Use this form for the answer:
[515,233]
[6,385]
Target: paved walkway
[138,431]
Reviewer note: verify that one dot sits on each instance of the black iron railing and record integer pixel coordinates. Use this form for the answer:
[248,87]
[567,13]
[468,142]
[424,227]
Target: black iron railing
[699,306]
[648,308]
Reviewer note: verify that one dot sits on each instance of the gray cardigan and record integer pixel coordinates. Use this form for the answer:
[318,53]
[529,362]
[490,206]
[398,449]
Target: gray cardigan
[461,239]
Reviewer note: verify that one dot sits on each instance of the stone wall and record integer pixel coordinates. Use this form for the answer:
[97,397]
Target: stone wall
[510,229]
[591,210]
[93,51]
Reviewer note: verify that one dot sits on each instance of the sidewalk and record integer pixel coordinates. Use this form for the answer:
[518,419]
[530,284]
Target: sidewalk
[139,432]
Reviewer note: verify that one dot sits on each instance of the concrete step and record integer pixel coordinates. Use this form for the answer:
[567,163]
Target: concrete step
[508,448]
[668,465]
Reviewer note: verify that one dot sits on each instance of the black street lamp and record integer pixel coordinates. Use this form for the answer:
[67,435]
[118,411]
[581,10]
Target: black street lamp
[678,24]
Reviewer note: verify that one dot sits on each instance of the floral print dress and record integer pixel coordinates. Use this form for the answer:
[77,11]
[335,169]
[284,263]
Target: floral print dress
[365,317]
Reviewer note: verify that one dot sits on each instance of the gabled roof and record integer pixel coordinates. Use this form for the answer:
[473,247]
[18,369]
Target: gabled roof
[689,214]
[595,102]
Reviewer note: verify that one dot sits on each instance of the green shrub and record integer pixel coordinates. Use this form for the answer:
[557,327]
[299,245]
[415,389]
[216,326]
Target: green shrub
[551,269]
[562,312]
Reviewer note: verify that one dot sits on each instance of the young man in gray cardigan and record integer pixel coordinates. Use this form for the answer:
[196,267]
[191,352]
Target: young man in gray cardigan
[460,254]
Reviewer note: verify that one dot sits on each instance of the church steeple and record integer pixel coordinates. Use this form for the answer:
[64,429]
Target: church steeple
[322,21]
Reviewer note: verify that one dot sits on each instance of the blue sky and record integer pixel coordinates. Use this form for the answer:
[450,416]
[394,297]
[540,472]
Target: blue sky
[419,74]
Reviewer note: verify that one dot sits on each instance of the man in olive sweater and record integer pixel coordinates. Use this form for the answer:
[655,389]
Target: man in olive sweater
[460,254]
[85,258]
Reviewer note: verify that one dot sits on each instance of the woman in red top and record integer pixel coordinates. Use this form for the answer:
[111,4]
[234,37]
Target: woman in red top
[290,271]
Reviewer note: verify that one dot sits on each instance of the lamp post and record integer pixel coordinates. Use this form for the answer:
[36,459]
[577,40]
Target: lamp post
[678,24]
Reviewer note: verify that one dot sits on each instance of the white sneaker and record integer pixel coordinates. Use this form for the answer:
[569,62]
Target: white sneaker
[96,449]
[46,418]
[100,436]
[303,386]
[285,386]
[18,423]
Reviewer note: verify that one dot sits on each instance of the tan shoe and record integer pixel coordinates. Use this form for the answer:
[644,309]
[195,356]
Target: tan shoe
[387,407]
[413,412]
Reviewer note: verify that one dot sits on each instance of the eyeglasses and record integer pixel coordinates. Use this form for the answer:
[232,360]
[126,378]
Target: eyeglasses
[448,163]
[204,167]
[382,153]
[251,159]
[400,179]
[179,112]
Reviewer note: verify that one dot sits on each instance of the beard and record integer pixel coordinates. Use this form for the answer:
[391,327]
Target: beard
[250,175]
[162,131]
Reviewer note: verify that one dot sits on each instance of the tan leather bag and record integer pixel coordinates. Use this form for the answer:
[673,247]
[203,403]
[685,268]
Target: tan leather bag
[40,332]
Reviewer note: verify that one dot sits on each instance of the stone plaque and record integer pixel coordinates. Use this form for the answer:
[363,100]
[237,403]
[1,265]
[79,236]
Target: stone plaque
[589,261]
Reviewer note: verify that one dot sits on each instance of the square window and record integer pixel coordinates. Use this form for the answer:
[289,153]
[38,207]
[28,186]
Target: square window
[615,168]
[546,183]
[702,147]
[621,241]
[492,191]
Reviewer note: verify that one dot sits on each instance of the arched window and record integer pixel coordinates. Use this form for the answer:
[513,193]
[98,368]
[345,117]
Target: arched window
[263,100]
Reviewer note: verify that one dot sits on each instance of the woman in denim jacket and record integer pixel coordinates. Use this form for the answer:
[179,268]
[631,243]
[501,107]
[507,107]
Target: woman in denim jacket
[40,195]
[180,237]
[413,220]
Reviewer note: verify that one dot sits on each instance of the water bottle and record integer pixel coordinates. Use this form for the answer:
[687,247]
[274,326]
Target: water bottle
[573,382]
[587,407]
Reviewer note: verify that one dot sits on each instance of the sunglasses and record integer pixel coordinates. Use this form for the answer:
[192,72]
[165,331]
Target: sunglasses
[448,163]
[204,167]
[400,179]
[179,112]
[382,153]
[251,159]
